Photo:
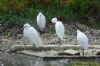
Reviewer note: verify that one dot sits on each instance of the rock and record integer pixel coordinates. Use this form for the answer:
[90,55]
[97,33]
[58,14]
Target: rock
[98,52]
[69,52]
[2,28]
[53,41]
[4,40]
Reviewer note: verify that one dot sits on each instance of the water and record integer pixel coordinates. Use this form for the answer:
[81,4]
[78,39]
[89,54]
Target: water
[23,60]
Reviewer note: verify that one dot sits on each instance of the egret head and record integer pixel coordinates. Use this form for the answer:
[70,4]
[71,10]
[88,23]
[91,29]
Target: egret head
[78,31]
[54,20]
[27,25]
[40,13]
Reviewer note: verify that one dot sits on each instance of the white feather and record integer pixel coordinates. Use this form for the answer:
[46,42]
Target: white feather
[54,20]
[82,40]
[41,21]
[32,35]
[60,30]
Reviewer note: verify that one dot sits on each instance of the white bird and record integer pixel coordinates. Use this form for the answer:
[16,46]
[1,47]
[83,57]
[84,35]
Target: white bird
[59,27]
[41,21]
[82,40]
[32,35]
[54,20]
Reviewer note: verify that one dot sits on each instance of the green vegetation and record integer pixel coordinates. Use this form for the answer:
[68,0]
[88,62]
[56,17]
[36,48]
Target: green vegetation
[17,12]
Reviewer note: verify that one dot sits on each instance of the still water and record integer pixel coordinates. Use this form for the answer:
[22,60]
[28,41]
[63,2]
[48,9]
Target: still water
[23,60]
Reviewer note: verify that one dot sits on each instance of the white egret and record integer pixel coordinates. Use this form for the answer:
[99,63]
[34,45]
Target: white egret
[59,27]
[54,20]
[32,35]
[82,40]
[41,21]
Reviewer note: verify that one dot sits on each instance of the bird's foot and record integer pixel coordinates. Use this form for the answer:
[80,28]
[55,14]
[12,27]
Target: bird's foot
[82,53]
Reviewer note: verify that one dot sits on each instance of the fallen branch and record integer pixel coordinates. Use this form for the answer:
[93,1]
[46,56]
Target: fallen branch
[48,47]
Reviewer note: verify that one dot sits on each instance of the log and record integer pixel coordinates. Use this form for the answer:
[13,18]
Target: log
[39,54]
[15,48]
[72,57]
[69,52]
[49,47]
[51,56]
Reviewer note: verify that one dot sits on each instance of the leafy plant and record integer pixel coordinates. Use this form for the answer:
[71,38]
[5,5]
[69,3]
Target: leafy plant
[18,12]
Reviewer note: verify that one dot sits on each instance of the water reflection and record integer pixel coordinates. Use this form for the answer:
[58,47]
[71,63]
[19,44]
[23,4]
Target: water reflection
[37,62]
[22,60]
[64,62]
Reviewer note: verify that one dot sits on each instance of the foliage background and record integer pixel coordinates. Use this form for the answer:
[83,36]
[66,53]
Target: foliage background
[18,12]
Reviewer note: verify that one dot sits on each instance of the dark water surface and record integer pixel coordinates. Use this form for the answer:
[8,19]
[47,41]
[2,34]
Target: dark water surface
[23,60]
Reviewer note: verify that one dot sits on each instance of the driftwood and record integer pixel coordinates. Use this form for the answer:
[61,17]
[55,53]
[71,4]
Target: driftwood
[53,52]
[39,54]
[69,52]
[49,47]
[72,57]
[50,55]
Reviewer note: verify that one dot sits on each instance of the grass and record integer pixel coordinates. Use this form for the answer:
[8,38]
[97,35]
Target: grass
[18,12]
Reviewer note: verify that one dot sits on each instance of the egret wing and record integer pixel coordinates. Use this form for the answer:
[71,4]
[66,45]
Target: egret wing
[83,40]
[34,37]
[60,30]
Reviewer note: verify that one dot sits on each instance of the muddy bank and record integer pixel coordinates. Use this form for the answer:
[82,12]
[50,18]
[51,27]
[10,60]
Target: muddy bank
[50,37]
[8,38]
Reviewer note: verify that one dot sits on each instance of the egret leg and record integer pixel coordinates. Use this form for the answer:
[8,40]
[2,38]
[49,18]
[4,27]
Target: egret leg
[34,47]
[44,35]
[43,32]
[59,44]
[83,53]
[24,47]
[24,44]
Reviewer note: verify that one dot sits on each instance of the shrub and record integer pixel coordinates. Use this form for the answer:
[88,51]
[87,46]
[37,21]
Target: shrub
[18,12]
